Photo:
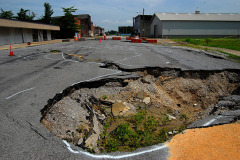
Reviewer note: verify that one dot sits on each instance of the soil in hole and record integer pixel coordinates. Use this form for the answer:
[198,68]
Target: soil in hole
[127,114]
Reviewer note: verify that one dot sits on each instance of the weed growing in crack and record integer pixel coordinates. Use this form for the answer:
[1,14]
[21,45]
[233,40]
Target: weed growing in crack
[104,97]
[183,117]
[165,120]
[181,128]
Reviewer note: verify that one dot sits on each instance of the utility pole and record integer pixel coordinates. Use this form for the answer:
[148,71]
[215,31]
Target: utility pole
[143,22]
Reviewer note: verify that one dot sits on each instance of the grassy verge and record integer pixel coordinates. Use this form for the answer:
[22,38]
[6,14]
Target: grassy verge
[229,43]
[226,43]
[231,56]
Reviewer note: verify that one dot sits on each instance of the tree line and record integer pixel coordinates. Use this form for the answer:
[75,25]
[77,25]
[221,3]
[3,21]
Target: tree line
[67,23]
[27,15]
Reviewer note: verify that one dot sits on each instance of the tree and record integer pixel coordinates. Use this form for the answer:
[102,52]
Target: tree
[6,14]
[22,15]
[69,26]
[46,18]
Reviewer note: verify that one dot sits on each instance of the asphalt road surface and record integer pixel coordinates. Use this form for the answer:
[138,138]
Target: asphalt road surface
[34,75]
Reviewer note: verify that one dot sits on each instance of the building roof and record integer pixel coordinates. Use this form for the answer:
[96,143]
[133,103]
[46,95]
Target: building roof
[28,25]
[81,16]
[198,17]
[146,17]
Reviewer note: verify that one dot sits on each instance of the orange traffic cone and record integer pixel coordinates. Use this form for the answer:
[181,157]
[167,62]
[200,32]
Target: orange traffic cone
[11,52]
[100,40]
[75,38]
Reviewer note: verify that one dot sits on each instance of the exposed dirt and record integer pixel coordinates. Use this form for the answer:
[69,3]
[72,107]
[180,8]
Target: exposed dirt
[181,97]
[218,142]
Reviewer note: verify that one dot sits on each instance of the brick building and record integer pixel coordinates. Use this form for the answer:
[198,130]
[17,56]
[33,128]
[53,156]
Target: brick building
[85,21]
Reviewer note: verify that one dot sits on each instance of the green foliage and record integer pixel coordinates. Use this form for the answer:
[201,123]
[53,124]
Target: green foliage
[188,40]
[104,97]
[181,128]
[170,111]
[22,15]
[229,43]
[165,120]
[162,135]
[232,56]
[140,131]
[46,18]
[68,23]
[6,14]
[183,117]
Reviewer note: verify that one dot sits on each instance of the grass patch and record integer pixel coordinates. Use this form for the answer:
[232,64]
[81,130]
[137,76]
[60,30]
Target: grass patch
[104,97]
[231,56]
[137,131]
[229,43]
[210,42]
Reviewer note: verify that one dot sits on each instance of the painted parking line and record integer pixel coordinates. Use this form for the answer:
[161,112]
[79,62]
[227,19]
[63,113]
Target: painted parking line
[129,58]
[211,121]
[108,156]
[19,93]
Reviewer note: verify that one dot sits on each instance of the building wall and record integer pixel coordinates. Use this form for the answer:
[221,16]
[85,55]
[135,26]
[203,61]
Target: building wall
[84,22]
[199,29]
[5,36]
[158,29]
[10,36]
[140,24]
[17,34]
[27,35]
[137,24]
[14,35]
[40,35]
[49,36]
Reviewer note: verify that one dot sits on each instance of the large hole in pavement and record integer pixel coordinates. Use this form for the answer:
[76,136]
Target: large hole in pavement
[115,114]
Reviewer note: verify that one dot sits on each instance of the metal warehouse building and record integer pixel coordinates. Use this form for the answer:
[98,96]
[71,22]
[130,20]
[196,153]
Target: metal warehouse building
[13,31]
[194,25]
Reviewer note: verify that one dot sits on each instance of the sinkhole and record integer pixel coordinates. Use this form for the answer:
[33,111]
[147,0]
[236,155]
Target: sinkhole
[123,114]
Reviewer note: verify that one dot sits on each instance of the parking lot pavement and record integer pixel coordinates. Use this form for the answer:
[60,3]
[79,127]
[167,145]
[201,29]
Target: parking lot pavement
[36,74]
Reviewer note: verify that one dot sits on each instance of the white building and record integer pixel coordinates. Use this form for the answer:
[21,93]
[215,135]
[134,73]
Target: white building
[194,25]
[13,31]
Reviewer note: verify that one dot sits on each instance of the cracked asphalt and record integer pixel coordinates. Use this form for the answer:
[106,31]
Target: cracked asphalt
[35,75]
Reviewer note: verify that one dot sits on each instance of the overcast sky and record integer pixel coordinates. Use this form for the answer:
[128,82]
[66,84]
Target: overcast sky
[110,14]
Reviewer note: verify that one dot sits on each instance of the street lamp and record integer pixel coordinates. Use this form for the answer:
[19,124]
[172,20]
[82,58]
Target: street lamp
[143,20]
